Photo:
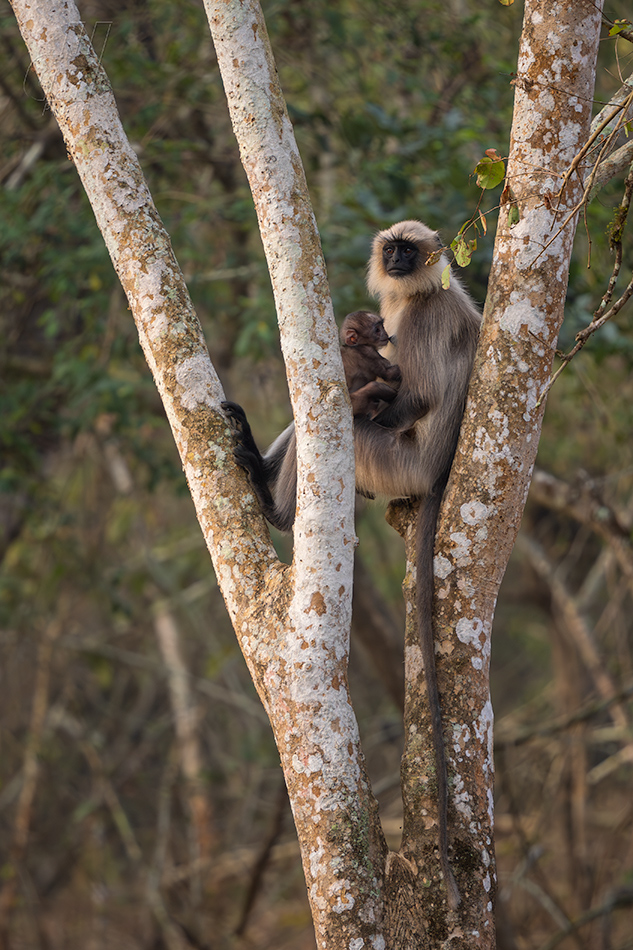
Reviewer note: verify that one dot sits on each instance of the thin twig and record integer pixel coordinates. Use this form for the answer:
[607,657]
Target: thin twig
[170,933]
[621,107]
[611,167]
[531,853]
[575,625]
[30,775]
[584,335]
[263,859]
[601,317]
[587,188]
[625,34]
[584,503]
[563,723]
[623,897]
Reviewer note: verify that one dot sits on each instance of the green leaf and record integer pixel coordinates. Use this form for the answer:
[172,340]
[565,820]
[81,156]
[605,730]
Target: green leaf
[508,197]
[619,26]
[446,277]
[513,215]
[463,250]
[490,170]
[506,3]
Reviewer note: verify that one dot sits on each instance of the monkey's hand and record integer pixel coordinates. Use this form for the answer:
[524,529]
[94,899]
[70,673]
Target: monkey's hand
[392,373]
[237,418]
[248,457]
[367,399]
[245,451]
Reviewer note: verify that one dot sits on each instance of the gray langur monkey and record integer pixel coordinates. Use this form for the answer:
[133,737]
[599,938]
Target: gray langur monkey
[407,448]
[274,474]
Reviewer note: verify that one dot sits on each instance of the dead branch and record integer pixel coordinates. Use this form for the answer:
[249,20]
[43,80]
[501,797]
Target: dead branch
[30,776]
[185,725]
[622,897]
[506,737]
[574,624]
[583,503]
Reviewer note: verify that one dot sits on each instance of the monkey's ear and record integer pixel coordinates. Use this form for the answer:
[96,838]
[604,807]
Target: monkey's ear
[351,337]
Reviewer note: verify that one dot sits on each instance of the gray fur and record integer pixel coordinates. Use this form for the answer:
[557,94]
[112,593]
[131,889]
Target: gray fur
[410,445]
[408,448]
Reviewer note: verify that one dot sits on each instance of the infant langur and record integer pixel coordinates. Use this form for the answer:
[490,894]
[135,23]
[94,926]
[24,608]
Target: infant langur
[367,373]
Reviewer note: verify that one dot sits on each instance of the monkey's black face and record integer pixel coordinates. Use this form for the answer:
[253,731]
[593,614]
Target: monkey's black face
[400,258]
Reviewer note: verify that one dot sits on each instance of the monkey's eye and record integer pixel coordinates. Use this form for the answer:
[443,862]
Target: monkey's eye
[408,250]
[389,249]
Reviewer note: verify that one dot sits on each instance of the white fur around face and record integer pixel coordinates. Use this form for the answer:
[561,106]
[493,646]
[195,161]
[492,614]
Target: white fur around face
[426,278]
[393,292]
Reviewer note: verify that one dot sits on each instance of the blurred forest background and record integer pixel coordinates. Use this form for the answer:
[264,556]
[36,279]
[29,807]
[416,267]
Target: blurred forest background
[141,798]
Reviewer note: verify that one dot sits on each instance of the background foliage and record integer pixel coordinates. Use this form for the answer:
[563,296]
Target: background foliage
[393,106]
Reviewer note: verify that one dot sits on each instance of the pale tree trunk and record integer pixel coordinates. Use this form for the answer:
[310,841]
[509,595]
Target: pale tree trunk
[493,466]
[293,622]
[185,727]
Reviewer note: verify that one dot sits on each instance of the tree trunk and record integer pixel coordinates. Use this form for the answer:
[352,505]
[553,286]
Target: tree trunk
[491,473]
[293,622]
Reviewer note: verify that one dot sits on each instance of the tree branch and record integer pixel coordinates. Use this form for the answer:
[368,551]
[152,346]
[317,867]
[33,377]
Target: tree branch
[292,622]
[602,314]
[583,503]
[524,309]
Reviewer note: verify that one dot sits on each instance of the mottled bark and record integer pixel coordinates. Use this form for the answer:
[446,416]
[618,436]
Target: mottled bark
[292,622]
[491,474]
[335,814]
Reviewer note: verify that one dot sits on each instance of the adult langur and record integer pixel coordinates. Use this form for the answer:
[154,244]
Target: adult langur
[408,448]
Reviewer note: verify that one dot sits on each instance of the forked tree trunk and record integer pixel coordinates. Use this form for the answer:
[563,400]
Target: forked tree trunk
[293,622]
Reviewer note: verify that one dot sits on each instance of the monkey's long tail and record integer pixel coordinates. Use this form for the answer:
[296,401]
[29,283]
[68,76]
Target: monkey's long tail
[425,542]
